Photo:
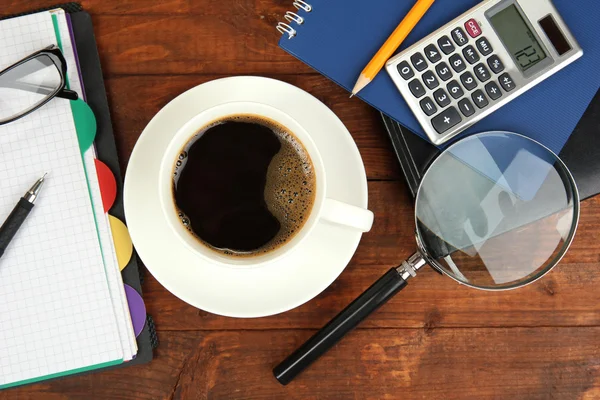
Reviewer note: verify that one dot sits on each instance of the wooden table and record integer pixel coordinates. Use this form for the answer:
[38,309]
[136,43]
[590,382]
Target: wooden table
[436,340]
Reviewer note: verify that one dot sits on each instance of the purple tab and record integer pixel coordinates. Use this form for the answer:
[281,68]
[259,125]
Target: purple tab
[137,309]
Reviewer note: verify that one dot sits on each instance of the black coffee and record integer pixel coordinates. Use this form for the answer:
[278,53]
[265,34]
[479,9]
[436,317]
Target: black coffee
[244,185]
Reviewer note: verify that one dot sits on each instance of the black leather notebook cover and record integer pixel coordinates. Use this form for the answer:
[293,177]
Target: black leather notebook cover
[581,153]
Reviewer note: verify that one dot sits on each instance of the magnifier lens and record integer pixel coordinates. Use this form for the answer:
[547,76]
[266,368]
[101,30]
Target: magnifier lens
[496,210]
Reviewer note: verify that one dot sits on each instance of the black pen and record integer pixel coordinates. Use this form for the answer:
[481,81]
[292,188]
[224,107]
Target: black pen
[16,218]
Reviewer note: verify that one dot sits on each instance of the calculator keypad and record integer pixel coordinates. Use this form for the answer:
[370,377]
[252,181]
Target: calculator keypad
[459,75]
[482,73]
[443,71]
[441,97]
[447,119]
[455,90]
[484,46]
[432,53]
[430,80]
[457,63]
[495,64]
[468,81]
[459,37]
[471,54]
[507,83]
[479,98]
[405,70]
[416,88]
[418,61]
[493,91]
[473,28]
[466,108]
[428,106]
[446,45]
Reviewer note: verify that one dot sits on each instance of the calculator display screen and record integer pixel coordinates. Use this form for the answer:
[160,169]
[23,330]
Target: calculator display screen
[517,37]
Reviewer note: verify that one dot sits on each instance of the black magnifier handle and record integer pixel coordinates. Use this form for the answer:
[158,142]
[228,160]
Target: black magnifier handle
[371,299]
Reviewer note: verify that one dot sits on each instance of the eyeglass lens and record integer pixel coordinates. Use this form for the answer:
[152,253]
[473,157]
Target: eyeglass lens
[27,85]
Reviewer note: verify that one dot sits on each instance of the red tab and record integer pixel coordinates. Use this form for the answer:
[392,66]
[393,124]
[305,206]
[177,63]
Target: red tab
[473,28]
[108,185]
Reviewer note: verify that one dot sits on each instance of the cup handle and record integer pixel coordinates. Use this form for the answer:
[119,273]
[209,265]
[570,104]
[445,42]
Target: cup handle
[348,215]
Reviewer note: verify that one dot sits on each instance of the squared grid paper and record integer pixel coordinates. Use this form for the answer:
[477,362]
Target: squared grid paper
[56,312]
[113,273]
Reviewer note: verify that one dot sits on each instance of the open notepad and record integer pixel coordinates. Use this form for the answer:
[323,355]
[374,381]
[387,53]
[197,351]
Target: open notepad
[62,304]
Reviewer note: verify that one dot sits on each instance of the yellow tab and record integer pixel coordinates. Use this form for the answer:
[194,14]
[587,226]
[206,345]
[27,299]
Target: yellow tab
[123,245]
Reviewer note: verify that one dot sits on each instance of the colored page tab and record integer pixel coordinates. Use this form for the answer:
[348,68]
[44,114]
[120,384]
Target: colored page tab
[85,124]
[108,185]
[137,309]
[123,244]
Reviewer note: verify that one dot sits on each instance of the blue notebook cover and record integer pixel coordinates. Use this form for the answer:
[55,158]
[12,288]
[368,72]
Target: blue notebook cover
[338,38]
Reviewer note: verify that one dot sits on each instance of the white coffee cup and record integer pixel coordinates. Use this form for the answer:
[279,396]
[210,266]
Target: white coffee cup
[324,210]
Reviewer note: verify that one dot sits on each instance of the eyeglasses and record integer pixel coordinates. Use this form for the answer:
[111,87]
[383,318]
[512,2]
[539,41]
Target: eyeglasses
[32,82]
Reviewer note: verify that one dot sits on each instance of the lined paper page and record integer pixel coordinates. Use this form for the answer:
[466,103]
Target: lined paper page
[56,312]
[115,279]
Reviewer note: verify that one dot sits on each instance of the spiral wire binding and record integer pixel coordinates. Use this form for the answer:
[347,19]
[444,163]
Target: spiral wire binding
[291,16]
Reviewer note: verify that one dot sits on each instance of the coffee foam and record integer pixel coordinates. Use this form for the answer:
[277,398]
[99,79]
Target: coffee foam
[290,189]
[290,186]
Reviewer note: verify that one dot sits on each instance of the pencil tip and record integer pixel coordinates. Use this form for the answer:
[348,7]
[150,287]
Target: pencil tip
[351,95]
[360,84]
[44,176]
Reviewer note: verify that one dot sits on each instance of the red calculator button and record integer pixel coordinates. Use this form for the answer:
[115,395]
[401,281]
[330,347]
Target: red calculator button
[473,28]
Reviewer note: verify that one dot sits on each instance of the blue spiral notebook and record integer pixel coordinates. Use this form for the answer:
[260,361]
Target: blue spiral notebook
[338,38]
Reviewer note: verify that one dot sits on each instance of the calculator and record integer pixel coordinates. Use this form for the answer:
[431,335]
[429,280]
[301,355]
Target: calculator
[480,61]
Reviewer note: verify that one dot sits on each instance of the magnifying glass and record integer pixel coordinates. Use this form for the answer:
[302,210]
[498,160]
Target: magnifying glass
[494,211]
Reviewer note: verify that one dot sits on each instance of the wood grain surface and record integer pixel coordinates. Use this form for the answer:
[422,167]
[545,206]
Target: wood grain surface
[436,340]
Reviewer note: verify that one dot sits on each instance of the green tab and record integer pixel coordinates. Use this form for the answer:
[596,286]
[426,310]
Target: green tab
[85,124]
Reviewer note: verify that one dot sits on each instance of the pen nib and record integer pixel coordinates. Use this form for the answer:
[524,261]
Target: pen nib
[33,193]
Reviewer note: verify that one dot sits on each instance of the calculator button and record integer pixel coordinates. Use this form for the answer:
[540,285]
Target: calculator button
[466,107]
[483,74]
[506,81]
[405,70]
[455,90]
[471,54]
[457,63]
[432,53]
[445,44]
[430,80]
[459,36]
[473,28]
[479,98]
[495,64]
[493,90]
[443,71]
[416,88]
[484,46]
[441,97]
[447,119]
[468,80]
[418,61]
[428,106]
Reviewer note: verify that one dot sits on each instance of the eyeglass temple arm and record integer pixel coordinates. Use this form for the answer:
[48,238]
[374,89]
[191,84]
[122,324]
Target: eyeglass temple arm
[67,94]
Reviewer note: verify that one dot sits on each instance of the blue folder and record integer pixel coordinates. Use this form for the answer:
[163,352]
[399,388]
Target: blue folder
[339,37]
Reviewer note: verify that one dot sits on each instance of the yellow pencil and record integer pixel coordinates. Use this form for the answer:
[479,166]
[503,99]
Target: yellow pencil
[390,45]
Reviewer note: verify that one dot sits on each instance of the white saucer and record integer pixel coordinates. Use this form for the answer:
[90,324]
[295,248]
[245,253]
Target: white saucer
[253,292]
